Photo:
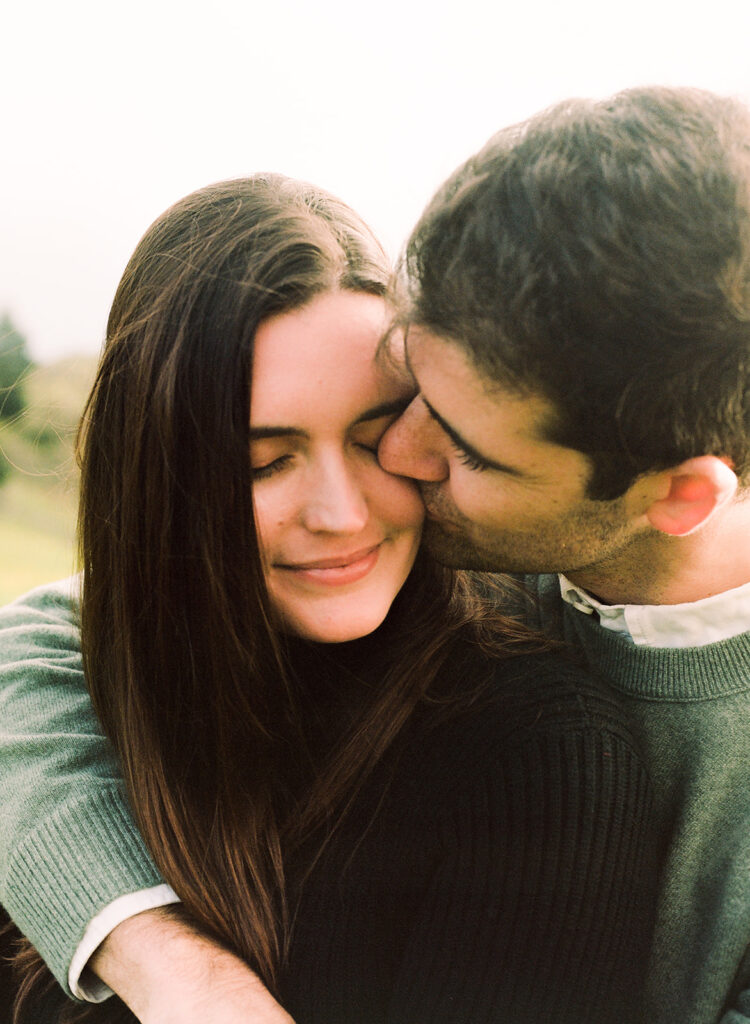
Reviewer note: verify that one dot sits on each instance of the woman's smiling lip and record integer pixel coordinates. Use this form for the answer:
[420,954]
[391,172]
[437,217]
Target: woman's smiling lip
[336,570]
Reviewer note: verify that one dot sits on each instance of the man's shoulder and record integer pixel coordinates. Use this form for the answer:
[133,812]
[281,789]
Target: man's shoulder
[44,618]
[61,596]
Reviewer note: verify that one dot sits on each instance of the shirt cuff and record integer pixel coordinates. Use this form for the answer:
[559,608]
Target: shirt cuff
[84,984]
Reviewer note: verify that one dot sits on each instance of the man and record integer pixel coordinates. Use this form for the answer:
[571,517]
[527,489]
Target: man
[578,328]
[579,333]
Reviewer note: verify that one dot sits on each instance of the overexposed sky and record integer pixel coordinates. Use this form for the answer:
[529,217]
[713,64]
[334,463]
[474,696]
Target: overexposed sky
[111,113]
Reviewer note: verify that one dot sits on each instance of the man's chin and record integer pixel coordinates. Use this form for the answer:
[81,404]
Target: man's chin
[452,548]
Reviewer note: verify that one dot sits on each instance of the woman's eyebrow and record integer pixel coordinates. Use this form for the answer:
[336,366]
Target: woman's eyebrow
[261,433]
[394,408]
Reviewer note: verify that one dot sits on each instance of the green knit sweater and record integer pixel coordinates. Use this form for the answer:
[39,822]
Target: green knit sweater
[523,831]
[58,724]
[694,707]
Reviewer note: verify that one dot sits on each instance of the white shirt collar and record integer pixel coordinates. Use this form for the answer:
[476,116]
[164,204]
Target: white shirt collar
[694,624]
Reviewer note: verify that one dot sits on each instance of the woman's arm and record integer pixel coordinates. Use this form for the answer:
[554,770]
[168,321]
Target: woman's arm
[68,844]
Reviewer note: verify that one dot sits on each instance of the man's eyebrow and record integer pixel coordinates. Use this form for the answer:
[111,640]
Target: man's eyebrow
[393,408]
[468,448]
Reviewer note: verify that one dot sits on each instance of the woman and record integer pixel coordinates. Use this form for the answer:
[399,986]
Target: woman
[331,750]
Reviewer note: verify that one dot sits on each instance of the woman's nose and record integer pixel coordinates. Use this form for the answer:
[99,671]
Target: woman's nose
[336,503]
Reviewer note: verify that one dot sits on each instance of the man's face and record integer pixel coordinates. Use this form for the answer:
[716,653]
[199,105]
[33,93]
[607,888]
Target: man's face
[499,496]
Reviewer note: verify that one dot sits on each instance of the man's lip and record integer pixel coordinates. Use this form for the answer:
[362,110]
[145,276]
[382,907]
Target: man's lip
[335,562]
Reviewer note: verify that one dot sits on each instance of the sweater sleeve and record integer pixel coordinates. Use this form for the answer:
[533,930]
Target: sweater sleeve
[68,844]
[740,1014]
[545,895]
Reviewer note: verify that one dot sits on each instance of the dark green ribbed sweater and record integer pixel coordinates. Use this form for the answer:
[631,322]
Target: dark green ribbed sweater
[693,705]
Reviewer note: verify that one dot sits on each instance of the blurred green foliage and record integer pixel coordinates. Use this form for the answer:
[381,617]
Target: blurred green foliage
[38,492]
[14,366]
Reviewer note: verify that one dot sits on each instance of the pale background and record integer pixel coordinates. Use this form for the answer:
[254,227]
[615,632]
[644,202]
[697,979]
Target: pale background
[110,113]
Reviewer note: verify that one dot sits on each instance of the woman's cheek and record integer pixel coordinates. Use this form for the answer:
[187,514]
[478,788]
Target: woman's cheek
[273,510]
[400,502]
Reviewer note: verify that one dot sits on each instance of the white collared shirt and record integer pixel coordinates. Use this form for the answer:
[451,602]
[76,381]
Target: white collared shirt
[693,624]
[85,984]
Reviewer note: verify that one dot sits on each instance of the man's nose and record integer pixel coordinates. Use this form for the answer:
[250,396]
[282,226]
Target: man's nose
[413,445]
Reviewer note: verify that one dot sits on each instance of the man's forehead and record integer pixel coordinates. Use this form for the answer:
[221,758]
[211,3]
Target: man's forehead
[445,350]
[413,336]
[447,356]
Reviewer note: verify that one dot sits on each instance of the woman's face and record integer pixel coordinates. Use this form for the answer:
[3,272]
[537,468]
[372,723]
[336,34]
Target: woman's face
[338,534]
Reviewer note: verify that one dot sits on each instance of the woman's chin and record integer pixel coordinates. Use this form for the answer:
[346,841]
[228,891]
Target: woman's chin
[336,631]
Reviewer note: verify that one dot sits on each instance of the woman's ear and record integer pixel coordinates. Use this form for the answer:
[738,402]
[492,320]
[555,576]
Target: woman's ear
[697,488]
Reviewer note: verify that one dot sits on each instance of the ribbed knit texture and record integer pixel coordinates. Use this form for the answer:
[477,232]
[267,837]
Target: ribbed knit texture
[508,877]
[694,707]
[68,846]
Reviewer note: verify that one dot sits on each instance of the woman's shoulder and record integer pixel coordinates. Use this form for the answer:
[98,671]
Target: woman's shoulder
[553,689]
[543,708]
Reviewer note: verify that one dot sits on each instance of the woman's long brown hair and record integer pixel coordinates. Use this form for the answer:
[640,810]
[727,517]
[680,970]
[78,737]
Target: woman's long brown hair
[186,669]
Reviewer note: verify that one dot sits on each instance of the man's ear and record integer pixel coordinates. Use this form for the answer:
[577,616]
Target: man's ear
[696,489]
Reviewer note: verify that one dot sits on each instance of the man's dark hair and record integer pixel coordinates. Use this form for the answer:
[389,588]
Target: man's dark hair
[599,255]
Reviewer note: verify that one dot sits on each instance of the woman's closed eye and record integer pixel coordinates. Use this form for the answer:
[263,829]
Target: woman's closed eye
[367,447]
[268,469]
[271,455]
[368,440]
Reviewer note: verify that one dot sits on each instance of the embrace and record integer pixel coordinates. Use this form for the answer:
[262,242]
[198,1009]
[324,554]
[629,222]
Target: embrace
[291,748]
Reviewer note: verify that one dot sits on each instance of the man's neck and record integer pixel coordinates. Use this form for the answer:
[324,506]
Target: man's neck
[657,569]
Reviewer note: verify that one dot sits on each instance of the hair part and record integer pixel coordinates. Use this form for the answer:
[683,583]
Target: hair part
[599,255]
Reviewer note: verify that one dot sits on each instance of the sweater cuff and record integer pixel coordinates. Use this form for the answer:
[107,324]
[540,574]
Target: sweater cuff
[84,984]
[69,868]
